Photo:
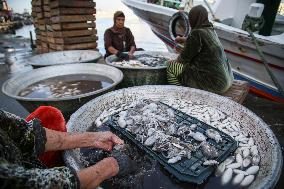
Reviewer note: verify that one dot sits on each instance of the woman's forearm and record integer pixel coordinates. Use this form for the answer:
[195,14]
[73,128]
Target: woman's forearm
[91,177]
[132,49]
[57,140]
[112,50]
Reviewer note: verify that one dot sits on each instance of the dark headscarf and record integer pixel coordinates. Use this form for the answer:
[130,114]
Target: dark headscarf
[198,16]
[114,28]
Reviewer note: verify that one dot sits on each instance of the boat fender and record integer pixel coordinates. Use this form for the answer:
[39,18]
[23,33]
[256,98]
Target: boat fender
[173,21]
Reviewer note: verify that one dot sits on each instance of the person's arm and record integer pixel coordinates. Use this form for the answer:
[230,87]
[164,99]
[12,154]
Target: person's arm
[92,176]
[108,42]
[192,47]
[61,140]
[131,52]
[33,139]
[112,50]
[132,44]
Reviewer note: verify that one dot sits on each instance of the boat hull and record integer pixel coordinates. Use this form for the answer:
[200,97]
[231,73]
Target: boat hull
[239,48]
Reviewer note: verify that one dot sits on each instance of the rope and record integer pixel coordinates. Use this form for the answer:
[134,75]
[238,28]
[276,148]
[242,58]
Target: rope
[251,25]
[278,86]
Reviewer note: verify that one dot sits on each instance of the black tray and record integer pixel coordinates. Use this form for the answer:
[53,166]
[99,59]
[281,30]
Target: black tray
[186,170]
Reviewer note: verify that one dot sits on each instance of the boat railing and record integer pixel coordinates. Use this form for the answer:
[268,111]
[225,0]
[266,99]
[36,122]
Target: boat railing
[166,3]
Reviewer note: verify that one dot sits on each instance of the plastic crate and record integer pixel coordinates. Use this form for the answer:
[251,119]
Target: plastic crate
[187,170]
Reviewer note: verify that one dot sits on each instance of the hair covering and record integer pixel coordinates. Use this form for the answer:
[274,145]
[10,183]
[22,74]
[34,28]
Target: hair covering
[198,16]
[118,14]
[115,29]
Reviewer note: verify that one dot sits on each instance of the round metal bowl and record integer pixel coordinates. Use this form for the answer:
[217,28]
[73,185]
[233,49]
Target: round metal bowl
[69,104]
[64,57]
[135,76]
[270,152]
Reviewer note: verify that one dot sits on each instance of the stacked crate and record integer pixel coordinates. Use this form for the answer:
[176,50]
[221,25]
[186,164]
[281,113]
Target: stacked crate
[40,23]
[66,25]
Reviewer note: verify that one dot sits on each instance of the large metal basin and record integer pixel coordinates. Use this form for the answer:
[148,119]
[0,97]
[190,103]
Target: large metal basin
[143,76]
[64,57]
[67,105]
[270,152]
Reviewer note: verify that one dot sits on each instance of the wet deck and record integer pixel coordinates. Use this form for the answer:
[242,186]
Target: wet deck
[17,49]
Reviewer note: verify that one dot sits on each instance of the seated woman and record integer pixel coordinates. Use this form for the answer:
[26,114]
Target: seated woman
[21,142]
[202,63]
[119,39]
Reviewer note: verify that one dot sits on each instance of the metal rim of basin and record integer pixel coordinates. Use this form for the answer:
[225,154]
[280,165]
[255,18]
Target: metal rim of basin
[92,109]
[112,58]
[37,59]
[74,68]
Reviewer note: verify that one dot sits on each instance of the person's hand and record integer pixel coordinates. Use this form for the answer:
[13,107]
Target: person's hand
[125,163]
[131,56]
[179,39]
[122,55]
[105,140]
[93,176]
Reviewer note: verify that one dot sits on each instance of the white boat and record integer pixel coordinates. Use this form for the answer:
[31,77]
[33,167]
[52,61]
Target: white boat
[240,49]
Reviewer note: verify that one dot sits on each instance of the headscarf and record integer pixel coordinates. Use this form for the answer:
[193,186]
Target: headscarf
[114,28]
[198,16]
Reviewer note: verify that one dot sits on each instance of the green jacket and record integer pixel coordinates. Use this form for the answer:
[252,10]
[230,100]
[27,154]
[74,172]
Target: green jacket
[206,66]
[20,144]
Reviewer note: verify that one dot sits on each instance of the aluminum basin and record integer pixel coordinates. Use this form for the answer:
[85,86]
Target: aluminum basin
[69,104]
[270,152]
[64,57]
[136,76]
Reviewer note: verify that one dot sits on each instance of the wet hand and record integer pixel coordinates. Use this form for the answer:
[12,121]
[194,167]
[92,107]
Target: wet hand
[122,55]
[125,163]
[179,39]
[131,56]
[105,140]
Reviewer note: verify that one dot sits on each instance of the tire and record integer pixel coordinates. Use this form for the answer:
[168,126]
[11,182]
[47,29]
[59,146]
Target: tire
[173,21]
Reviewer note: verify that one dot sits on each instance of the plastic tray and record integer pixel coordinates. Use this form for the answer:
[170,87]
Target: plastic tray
[186,170]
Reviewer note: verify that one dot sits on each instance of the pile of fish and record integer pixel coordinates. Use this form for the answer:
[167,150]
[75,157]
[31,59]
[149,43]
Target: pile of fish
[239,169]
[143,61]
[163,135]
[54,90]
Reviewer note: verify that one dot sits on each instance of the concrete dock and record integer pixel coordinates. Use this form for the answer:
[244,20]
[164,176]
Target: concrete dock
[14,50]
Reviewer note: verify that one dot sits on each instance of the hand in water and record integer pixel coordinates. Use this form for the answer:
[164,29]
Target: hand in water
[125,163]
[131,56]
[122,55]
[105,140]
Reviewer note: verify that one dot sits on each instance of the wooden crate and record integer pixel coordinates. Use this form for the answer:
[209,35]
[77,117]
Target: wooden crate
[72,33]
[72,40]
[71,3]
[72,18]
[64,24]
[79,46]
[46,8]
[39,15]
[47,14]
[72,26]
[37,3]
[46,2]
[72,11]
[44,21]
[41,27]
[44,45]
